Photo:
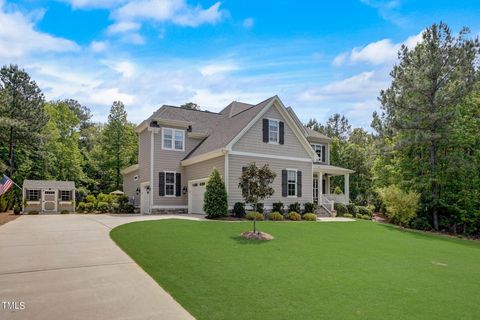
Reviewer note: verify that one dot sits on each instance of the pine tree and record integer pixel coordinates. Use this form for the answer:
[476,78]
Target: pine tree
[215,198]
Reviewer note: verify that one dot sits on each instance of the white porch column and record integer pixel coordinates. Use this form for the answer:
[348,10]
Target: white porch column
[347,188]
[320,187]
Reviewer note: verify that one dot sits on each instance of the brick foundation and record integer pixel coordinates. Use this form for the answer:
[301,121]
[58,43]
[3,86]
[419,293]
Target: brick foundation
[169,211]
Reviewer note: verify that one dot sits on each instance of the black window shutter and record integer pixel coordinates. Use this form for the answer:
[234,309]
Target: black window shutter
[299,183]
[282,132]
[161,185]
[284,183]
[265,130]
[324,151]
[178,184]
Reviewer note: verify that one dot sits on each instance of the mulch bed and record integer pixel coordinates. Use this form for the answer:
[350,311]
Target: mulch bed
[7,217]
[250,235]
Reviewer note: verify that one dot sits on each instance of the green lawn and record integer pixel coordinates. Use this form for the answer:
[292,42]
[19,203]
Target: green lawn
[357,270]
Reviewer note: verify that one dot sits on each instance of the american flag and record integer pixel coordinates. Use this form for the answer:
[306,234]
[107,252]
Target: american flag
[5,184]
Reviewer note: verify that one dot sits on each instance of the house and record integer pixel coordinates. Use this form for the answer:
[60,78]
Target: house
[48,196]
[178,149]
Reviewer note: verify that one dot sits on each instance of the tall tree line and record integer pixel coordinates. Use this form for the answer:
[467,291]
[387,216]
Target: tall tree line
[58,139]
[426,137]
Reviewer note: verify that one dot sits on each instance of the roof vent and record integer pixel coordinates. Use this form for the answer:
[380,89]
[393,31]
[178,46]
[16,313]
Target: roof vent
[189,129]
[154,124]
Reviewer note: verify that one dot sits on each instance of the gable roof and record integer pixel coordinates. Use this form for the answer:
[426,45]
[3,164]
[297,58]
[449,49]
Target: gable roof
[235,108]
[228,128]
[315,134]
[45,184]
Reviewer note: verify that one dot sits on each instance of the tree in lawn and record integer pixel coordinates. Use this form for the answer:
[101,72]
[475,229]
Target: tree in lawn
[119,144]
[255,184]
[21,116]
[215,197]
[420,108]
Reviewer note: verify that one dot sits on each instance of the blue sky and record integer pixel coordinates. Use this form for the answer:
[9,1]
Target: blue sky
[320,57]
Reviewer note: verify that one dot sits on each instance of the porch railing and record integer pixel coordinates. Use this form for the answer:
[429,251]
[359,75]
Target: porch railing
[335,198]
[327,203]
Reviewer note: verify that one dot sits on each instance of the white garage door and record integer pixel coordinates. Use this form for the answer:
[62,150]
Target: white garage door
[195,196]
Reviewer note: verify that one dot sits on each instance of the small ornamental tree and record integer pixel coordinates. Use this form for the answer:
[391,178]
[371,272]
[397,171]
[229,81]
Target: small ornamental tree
[256,186]
[215,197]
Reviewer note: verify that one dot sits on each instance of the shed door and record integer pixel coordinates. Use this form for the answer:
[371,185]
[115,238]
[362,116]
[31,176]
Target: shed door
[195,197]
[49,200]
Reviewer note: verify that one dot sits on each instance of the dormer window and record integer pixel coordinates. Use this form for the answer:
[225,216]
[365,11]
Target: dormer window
[173,139]
[320,150]
[273,131]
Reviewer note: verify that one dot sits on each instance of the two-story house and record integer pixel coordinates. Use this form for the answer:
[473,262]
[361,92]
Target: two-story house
[178,149]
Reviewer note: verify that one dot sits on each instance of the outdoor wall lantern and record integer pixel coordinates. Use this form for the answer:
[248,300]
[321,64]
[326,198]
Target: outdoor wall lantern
[147,189]
[138,191]
[185,190]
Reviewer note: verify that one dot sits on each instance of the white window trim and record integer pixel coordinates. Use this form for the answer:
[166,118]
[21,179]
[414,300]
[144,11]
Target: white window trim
[278,131]
[296,183]
[39,195]
[314,145]
[70,195]
[174,184]
[173,139]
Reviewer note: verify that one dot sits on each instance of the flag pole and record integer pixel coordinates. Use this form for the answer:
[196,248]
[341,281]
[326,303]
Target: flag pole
[14,182]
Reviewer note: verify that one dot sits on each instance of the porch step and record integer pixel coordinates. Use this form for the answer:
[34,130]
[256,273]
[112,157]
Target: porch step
[322,212]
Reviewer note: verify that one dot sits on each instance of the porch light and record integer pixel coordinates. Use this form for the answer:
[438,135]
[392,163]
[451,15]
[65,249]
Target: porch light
[137,191]
[147,189]
[185,190]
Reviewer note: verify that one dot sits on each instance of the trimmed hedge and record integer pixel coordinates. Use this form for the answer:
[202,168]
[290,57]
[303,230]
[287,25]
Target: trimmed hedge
[294,216]
[253,214]
[277,207]
[352,209]
[341,209]
[310,207]
[275,216]
[294,207]
[310,217]
[239,209]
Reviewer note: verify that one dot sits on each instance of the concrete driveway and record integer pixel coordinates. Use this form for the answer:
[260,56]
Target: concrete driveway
[67,267]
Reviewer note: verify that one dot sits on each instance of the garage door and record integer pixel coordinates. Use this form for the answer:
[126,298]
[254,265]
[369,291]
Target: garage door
[195,199]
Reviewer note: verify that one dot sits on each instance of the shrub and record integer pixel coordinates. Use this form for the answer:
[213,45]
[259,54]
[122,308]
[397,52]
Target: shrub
[352,209]
[89,207]
[341,209]
[294,207]
[103,207]
[33,212]
[348,215]
[337,190]
[64,212]
[239,209]
[310,207]
[16,209]
[294,216]
[364,211]
[365,217]
[260,207]
[81,207]
[310,217]
[401,206]
[102,197]
[115,207]
[253,214]
[91,199]
[421,223]
[275,216]
[277,207]
[215,197]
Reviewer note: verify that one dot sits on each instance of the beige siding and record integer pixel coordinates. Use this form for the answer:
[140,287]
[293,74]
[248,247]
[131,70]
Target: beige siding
[204,169]
[326,143]
[33,207]
[144,156]
[235,170]
[65,206]
[169,160]
[252,141]
[130,186]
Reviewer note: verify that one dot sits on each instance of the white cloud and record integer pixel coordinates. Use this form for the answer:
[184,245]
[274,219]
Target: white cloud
[98,46]
[218,68]
[18,37]
[123,26]
[176,11]
[379,52]
[248,23]
[125,68]
[90,4]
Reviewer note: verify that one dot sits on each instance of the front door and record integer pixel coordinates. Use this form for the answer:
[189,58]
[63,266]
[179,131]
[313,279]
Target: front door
[49,200]
[145,198]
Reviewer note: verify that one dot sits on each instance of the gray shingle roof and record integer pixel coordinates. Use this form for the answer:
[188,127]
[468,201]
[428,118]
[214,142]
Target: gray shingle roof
[45,184]
[235,108]
[315,134]
[227,128]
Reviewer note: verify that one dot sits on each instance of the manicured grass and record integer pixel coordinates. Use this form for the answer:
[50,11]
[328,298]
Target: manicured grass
[357,270]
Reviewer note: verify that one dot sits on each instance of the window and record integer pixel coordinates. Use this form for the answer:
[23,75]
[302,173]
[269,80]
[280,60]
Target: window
[169,184]
[173,139]
[33,195]
[65,195]
[292,183]
[273,131]
[318,149]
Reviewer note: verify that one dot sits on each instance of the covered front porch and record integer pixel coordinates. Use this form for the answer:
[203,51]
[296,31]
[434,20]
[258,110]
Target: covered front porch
[322,193]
